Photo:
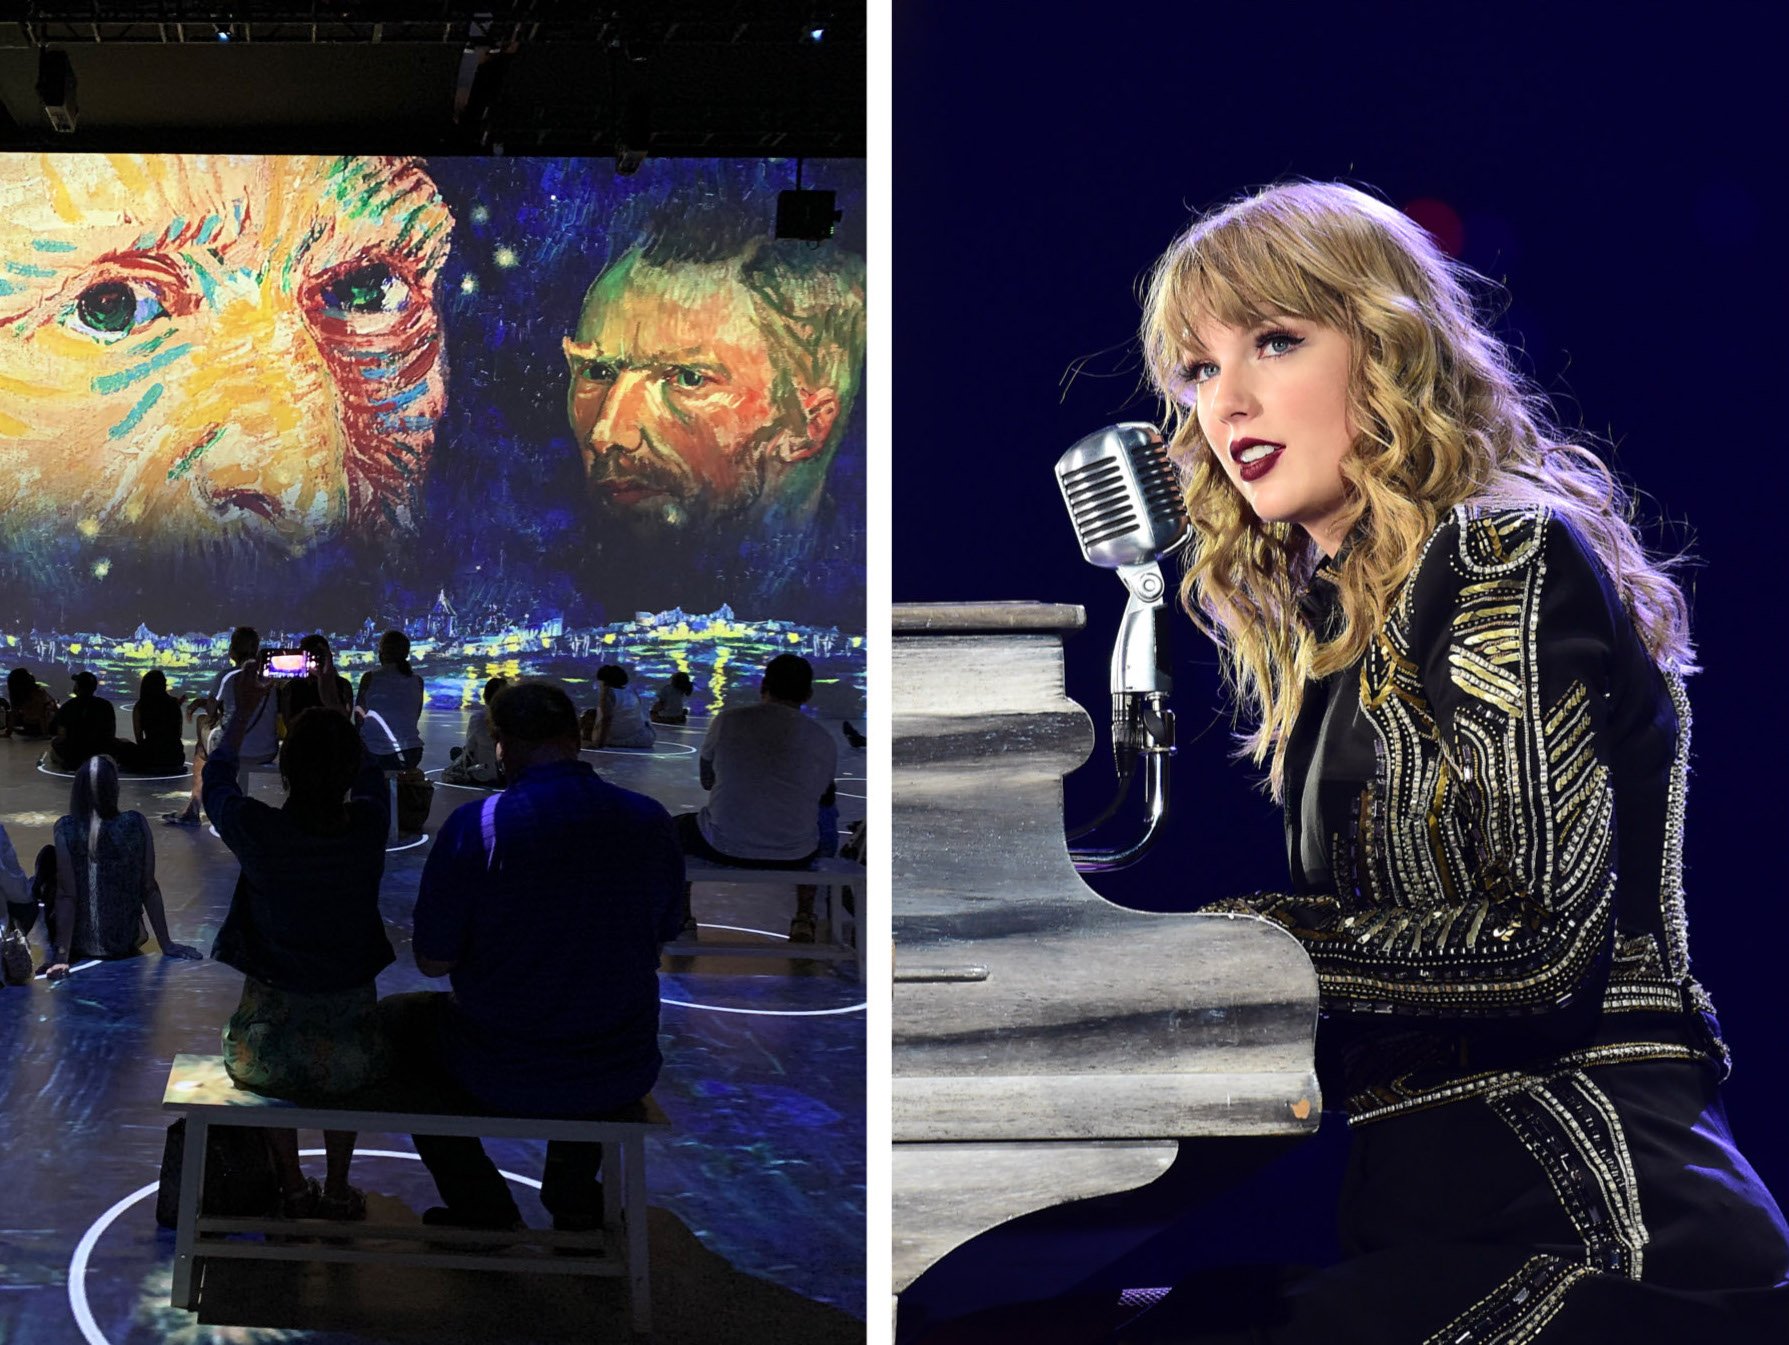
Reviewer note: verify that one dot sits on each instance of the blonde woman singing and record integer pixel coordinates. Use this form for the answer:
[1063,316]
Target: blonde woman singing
[1464,678]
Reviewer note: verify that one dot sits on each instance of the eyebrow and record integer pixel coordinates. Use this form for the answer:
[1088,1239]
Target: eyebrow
[695,357]
[1194,351]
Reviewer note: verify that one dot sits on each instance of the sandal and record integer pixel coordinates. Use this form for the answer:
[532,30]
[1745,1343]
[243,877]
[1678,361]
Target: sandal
[348,1207]
[181,819]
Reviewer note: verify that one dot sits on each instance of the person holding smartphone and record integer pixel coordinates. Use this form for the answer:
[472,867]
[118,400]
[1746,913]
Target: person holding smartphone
[214,714]
[320,685]
[304,928]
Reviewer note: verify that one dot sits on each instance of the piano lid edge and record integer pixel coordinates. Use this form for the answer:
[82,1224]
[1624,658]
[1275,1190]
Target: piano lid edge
[1088,1107]
[965,618]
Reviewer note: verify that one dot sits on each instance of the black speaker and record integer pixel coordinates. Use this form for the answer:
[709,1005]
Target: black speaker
[56,88]
[808,215]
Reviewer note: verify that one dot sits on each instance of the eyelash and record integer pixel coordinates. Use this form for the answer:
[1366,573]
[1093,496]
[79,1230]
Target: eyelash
[1190,374]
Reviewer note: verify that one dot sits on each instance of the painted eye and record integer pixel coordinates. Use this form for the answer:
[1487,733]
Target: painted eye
[688,379]
[112,310]
[598,371]
[372,288]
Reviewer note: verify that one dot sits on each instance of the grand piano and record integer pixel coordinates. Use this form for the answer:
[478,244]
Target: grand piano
[1049,1045]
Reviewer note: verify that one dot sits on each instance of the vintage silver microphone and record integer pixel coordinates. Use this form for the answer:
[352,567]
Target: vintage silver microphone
[1123,496]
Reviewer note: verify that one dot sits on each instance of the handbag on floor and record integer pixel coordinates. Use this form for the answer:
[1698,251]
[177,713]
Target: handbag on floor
[240,1181]
[415,792]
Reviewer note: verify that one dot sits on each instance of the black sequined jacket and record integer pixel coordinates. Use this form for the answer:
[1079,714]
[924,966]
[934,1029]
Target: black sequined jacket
[1485,823]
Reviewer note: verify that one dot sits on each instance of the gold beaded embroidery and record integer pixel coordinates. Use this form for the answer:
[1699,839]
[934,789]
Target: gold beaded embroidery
[1515,1311]
[1400,1097]
[1573,1131]
[1482,865]
[1475,876]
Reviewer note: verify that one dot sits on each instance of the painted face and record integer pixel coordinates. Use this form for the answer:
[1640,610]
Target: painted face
[1272,401]
[679,408]
[202,350]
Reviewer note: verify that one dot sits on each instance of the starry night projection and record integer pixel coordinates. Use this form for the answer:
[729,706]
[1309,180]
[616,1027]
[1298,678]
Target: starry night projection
[523,409]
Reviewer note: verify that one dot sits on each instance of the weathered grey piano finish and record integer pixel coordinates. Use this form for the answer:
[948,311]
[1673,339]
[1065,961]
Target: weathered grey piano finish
[1049,1045]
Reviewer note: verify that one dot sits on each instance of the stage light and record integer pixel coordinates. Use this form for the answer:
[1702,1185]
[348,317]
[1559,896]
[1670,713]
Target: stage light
[56,88]
[815,34]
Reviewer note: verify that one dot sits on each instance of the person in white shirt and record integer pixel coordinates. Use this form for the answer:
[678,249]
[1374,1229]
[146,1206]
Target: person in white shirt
[769,771]
[212,714]
[619,719]
[391,696]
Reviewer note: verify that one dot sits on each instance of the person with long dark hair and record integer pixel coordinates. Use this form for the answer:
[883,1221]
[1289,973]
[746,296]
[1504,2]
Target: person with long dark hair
[390,698]
[671,705]
[105,877]
[1464,677]
[155,724]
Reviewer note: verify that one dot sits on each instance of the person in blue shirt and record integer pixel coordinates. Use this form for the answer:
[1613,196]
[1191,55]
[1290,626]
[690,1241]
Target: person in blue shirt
[546,906]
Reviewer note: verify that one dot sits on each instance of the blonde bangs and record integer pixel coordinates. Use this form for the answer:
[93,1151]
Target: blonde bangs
[1441,417]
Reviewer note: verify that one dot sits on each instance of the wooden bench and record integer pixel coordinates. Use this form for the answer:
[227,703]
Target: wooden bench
[199,1087]
[828,875]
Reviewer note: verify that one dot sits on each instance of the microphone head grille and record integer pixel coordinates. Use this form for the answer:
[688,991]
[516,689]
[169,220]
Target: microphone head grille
[1123,495]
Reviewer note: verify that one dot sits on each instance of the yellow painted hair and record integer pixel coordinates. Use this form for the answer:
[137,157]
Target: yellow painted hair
[1443,417]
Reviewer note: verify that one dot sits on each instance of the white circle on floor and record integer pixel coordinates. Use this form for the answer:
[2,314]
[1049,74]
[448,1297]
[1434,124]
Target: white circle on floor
[767,1013]
[123,776]
[77,1264]
[476,789]
[671,750]
[79,966]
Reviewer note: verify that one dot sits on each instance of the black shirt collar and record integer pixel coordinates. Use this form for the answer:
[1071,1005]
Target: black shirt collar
[1320,601]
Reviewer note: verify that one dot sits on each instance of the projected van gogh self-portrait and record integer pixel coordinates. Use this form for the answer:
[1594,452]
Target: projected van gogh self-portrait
[217,353]
[514,407]
[711,374]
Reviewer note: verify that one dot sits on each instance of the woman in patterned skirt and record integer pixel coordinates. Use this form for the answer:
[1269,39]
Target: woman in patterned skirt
[304,929]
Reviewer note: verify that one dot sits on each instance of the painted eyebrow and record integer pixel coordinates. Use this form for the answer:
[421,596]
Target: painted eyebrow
[45,258]
[694,359]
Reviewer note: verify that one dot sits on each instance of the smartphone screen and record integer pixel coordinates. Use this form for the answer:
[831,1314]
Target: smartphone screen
[288,664]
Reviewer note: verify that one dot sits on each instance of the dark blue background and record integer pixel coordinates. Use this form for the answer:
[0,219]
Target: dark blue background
[1618,168]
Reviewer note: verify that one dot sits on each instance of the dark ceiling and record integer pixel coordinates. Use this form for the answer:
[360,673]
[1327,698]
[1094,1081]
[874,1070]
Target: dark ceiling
[713,78]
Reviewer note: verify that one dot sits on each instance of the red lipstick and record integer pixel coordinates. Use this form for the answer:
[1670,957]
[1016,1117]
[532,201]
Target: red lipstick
[1260,467]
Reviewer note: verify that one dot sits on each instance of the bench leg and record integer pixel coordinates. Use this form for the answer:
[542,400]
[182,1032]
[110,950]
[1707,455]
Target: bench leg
[844,930]
[614,1171]
[639,1282]
[192,1181]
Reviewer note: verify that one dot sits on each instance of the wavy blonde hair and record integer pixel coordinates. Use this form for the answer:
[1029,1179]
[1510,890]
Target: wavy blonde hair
[1442,418]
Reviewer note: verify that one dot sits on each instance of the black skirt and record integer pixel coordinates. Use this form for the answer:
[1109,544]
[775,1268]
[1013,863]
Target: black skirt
[1590,1206]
